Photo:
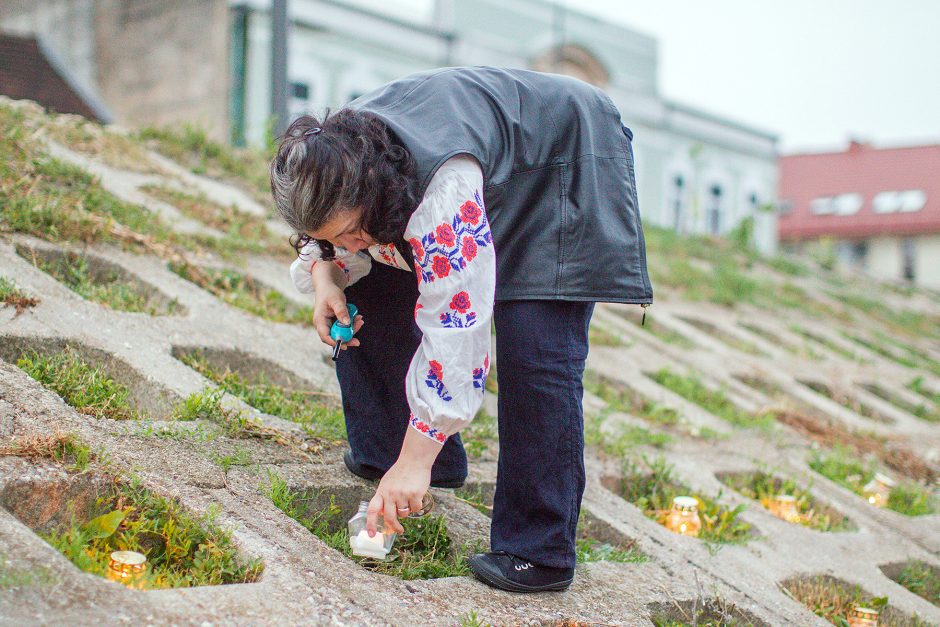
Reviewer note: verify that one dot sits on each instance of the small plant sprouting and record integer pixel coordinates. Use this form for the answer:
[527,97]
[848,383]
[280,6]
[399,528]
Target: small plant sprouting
[241,456]
[205,405]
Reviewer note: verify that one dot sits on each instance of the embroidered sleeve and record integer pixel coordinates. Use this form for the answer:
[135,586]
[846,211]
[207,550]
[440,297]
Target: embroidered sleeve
[354,266]
[455,264]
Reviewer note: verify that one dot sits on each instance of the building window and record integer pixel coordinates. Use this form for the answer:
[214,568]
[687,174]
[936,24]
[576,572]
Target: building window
[784,207]
[906,201]
[908,258]
[714,210]
[301,91]
[841,205]
[677,208]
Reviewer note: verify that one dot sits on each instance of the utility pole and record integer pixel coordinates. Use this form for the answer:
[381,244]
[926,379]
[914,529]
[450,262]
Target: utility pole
[279,29]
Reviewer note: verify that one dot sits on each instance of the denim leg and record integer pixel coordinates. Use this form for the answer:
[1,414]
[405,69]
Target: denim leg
[541,347]
[372,375]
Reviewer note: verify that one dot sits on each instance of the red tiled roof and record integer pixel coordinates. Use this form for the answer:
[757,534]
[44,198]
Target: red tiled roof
[865,171]
[27,73]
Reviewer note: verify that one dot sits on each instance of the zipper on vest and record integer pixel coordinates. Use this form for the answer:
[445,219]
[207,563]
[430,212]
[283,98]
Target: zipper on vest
[644,306]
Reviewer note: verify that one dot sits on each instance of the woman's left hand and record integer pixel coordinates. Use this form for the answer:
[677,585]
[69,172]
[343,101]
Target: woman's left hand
[404,485]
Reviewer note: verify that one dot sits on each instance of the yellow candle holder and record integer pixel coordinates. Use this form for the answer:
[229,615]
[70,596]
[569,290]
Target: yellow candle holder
[128,568]
[783,506]
[877,490]
[863,617]
[683,517]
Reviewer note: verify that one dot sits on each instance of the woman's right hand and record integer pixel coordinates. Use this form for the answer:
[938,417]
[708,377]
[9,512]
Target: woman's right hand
[331,305]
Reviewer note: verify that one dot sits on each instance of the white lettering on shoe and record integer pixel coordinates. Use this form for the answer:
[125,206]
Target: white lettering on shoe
[525,566]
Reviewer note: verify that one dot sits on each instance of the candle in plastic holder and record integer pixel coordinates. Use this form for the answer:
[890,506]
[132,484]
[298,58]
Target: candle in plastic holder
[783,506]
[128,568]
[877,490]
[863,617]
[378,546]
[683,517]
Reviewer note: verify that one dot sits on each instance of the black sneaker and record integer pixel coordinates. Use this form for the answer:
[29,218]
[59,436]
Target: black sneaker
[371,473]
[507,572]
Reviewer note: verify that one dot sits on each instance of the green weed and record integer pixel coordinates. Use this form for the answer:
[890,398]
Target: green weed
[917,385]
[591,550]
[66,449]
[109,288]
[843,466]
[86,388]
[181,550]
[714,401]
[191,146]
[424,551]
[922,579]
[922,411]
[621,398]
[324,420]
[240,457]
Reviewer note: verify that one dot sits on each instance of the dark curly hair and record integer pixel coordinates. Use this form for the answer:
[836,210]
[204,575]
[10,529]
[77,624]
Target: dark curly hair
[345,160]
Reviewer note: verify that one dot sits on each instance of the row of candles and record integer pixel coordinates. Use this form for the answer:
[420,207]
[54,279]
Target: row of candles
[683,519]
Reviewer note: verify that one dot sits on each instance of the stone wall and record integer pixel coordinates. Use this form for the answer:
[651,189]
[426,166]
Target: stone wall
[164,62]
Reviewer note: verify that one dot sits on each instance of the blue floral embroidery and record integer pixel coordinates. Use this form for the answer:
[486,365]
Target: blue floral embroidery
[479,375]
[456,321]
[435,382]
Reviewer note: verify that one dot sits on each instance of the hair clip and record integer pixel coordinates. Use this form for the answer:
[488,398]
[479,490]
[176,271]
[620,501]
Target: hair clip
[312,131]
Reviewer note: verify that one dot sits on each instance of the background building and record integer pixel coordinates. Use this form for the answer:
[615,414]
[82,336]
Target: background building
[873,209]
[209,62]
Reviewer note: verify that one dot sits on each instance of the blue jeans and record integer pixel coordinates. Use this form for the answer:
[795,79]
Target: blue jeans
[541,348]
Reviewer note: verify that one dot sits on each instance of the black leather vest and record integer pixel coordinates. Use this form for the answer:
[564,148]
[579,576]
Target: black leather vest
[559,183]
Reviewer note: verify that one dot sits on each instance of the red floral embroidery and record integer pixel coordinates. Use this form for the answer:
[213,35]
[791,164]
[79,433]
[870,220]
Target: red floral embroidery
[441,266]
[418,305]
[470,212]
[469,248]
[440,437]
[417,248]
[445,235]
[460,302]
[437,369]
[427,429]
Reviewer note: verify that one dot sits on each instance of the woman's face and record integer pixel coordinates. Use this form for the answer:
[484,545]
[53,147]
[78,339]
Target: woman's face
[344,231]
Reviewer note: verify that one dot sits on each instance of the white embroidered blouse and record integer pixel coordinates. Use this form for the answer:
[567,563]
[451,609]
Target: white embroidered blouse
[452,246]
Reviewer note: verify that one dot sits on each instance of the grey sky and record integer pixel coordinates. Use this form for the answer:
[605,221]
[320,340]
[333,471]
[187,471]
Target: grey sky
[816,72]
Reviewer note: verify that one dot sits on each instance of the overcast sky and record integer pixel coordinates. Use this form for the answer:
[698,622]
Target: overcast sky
[816,72]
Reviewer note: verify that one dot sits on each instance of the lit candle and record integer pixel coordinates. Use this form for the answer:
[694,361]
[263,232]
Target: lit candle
[683,517]
[863,617]
[364,546]
[128,568]
[783,506]
[877,490]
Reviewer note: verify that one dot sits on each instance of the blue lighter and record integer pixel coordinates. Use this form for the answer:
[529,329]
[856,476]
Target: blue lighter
[343,332]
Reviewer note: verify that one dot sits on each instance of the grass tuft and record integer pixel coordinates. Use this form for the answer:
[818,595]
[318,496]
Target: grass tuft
[845,468]
[714,401]
[64,448]
[652,491]
[86,388]
[245,293]
[424,551]
[834,600]
[181,550]
[763,486]
[320,419]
